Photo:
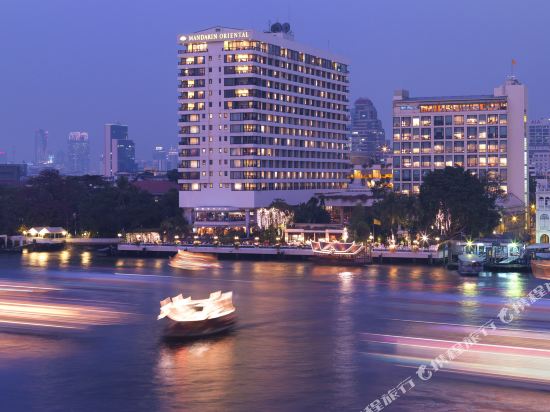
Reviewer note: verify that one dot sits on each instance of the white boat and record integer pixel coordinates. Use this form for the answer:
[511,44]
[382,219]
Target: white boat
[193,261]
[470,264]
[194,318]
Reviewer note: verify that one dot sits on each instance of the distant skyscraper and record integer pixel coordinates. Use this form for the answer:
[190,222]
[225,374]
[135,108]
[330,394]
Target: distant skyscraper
[40,146]
[367,133]
[172,158]
[126,156]
[78,154]
[3,157]
[539,147]
[159,159]
[119,151]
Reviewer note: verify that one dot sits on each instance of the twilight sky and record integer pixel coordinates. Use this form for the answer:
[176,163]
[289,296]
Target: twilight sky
[68,65]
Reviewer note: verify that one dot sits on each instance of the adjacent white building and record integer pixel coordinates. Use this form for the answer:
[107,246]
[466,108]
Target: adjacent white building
[261,117]
[539,147]
[485,134]
[542,212]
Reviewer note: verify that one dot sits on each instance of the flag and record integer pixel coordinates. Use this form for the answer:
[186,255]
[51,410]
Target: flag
[514,61]
[377,222]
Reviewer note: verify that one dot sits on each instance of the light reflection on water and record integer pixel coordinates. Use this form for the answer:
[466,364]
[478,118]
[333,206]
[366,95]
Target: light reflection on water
[300,344]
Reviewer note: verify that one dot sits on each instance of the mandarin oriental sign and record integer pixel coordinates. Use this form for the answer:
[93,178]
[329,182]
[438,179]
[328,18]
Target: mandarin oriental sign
[215,36]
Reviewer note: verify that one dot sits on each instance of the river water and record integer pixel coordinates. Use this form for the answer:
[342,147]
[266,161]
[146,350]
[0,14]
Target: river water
[79,332]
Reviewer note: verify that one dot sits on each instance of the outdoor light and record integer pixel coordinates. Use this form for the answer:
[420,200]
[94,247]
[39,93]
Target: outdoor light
[215,237]
[437,239]
[118,234]
[236,238]
[176,237]
[256,238]
[195,237]
[425,238]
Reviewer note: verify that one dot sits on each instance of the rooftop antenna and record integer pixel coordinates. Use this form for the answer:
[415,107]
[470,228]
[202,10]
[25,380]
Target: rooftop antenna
[512,65]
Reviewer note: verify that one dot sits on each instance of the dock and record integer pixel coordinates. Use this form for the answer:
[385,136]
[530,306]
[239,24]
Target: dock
[273,252]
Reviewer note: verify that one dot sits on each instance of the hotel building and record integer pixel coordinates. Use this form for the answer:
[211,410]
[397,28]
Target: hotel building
[483,134]
[261,117]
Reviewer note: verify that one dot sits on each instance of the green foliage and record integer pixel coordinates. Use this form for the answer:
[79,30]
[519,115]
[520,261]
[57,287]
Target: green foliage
[396,211]
[460,199]
[87,203]
[313,211]
[359,227]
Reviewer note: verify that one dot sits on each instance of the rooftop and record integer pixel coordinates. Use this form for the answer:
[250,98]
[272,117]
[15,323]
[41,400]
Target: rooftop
[470,98]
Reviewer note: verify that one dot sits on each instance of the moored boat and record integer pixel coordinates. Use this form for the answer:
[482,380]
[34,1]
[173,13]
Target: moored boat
[470,264]
[188,318]
[541,268]
[340,253]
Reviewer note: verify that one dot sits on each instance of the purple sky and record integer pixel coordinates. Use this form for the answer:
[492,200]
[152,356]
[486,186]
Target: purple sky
[70,65]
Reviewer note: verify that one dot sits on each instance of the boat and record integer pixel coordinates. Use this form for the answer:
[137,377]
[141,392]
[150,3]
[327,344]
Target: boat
[188,318]
[539,255]
[193,261]
[340,253]
[470,264]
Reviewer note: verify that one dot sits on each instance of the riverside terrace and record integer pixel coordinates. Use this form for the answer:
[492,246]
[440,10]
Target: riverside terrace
[236,251]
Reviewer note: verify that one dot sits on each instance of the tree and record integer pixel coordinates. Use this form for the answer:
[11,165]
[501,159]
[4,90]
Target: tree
[358,224]
[397,211]
[312,211]
[455,202]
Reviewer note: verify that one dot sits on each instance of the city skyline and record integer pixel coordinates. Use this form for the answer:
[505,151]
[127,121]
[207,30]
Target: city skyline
[377,68]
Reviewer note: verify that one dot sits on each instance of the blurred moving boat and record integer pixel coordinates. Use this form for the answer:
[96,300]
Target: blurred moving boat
[539,253]
[193,261]
[541,268]
[470,264]
[189,318]
[338,252]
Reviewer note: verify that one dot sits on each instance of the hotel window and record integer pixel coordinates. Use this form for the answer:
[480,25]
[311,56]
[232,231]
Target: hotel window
[407,161]
[426,147]
[492,146]
[471,119]
[492,132]
[426,161]
[416,121]
[397,175]
[405,122]
[396,134]
[483,133]
[438,133]
[448,120]
[416,147]
[405,134]
[458,133]
[472,147]
[449,161]
[493,161]
[482,148]
[426,133]
[503,132]
[482,119]
[492,119]
[406,175]
[416,161]
[438,120]
[396,148]
[471,132]
[448,133]
[458,120]
[406,148]
[503,119]
[439,161]
[449,147]
[503,162]
[438,147]
[459,161]
[472,161]
[482,161]
[426,121]
[459,147]
[396,161]
[416,175]
[416,134]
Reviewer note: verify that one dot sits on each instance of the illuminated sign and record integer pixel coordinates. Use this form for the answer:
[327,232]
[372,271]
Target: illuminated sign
[215,36]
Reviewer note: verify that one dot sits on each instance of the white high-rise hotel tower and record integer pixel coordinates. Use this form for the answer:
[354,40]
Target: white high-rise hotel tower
[261,117]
